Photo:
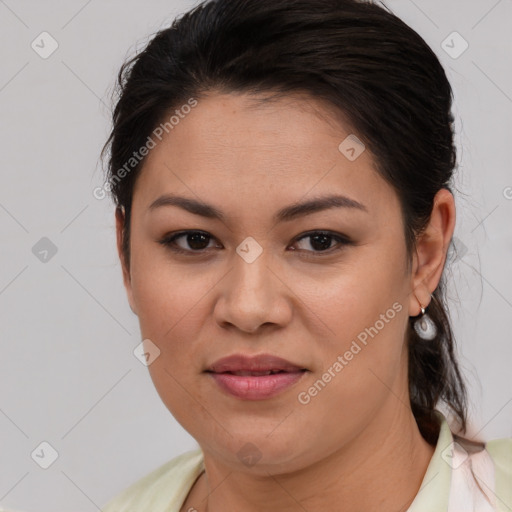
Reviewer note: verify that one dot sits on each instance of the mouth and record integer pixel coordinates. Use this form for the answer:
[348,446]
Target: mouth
[255,378]
[261,364]
[244,373]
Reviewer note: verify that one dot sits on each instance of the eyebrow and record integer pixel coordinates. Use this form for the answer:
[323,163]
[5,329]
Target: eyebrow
[287,213]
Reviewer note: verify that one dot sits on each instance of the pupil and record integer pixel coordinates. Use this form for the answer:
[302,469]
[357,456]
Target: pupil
[324,244]
[194,240]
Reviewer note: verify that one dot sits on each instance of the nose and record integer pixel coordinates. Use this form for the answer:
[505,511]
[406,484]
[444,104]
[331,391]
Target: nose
[253,296]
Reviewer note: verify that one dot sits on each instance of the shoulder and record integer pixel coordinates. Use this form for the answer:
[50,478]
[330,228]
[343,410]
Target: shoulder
[167,486]
[500,451]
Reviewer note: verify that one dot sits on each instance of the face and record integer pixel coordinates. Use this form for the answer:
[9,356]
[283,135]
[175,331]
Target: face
[325,288]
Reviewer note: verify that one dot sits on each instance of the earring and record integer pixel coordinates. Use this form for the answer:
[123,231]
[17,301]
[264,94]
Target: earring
[424,326]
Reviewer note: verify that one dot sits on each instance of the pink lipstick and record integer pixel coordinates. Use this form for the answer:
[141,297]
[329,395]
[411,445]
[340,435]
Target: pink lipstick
[255,377]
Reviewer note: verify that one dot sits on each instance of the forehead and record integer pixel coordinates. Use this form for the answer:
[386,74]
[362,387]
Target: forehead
[234,148]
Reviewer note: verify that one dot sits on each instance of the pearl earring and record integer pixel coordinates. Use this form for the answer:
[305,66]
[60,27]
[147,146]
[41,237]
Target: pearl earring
[424,326]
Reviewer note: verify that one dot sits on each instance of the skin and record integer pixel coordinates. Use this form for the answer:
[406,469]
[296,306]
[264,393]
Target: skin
[355,446]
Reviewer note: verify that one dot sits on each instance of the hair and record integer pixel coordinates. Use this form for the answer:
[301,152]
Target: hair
[372,70]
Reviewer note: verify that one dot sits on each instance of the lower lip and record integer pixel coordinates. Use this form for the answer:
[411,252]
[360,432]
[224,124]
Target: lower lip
[256,387]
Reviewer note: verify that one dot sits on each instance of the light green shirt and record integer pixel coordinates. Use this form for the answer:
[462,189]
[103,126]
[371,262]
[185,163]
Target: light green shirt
[166,488]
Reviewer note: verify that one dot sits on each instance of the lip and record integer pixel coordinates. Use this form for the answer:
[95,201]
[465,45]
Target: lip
[253,387]
[257,363]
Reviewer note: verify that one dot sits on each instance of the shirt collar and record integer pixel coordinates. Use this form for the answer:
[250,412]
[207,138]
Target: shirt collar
[435,488]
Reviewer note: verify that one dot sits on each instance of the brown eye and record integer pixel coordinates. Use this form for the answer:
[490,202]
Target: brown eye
[193,242]
[322,241]
[196,243]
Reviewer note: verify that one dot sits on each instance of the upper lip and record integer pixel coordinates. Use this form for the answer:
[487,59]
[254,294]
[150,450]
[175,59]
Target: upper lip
[257,363]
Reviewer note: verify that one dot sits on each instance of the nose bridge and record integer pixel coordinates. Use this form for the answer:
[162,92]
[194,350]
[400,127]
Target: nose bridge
[251,273]
[252,294]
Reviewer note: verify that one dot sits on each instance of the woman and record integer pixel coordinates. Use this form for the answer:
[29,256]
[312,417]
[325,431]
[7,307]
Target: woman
[281,172]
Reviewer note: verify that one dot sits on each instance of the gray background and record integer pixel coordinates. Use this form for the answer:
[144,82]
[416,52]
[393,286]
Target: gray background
[68,373]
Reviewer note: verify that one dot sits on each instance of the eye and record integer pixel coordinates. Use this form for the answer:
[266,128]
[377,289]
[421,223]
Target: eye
[321,241]
[197,242]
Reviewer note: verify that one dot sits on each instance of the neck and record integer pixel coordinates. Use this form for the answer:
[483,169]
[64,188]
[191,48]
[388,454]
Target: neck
[383,467]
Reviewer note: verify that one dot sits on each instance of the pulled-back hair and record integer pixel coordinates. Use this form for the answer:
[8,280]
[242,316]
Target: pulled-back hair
[373,71]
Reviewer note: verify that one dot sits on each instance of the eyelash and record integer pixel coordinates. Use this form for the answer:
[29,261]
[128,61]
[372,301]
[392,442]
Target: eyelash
[169,242]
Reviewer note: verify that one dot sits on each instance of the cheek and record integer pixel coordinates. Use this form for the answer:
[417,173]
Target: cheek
[172,309]
[351,298]
[168,296]
[361,309]
[362,358]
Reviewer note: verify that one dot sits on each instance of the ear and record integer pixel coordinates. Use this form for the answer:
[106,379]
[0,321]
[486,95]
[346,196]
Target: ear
[431,249]
[120,220]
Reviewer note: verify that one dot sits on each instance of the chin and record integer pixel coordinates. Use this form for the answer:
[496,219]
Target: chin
[259,453]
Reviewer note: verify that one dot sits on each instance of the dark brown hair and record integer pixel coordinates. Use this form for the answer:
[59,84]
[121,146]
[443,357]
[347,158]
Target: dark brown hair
[373,70]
